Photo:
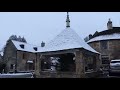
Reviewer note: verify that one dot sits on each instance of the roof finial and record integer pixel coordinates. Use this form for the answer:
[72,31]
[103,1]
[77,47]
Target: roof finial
[67,21]
[109,19]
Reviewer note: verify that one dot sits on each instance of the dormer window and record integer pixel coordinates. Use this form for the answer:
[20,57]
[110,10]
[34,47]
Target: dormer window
[22,46]
[35,48]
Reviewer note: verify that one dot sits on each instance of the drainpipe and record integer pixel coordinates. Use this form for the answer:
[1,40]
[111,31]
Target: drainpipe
[36,62]
[16,63]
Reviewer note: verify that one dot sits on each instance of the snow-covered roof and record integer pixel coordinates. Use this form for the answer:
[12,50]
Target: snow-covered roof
[27,47]
[67,39]
[105,37]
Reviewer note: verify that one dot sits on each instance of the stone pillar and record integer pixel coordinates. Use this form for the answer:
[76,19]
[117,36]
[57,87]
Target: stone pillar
[97,62]
[80,65]
[16,63]
[37,65]
[94,57]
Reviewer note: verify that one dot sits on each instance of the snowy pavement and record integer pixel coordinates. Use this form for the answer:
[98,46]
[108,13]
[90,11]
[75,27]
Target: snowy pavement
[17,75]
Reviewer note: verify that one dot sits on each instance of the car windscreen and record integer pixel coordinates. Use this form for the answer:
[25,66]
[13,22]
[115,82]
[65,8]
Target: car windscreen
[115,62]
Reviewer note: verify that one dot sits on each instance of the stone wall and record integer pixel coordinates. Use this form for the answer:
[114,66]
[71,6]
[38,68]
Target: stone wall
[95,45]
[58,75]
[80,62]
[113,50]
[44,74]
[22,64]
[11,58]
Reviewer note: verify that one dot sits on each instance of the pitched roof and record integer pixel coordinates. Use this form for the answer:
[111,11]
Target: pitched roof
[105,37]
[67,39]
[27,47]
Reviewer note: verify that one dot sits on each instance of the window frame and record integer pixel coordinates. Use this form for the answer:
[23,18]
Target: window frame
[104,44]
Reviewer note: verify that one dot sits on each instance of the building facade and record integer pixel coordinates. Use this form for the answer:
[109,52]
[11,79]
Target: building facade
[107,42]
[19,56]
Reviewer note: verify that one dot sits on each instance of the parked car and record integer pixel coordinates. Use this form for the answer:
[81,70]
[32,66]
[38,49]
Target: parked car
[114,67]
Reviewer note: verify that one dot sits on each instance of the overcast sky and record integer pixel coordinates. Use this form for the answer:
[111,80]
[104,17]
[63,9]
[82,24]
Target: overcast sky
[44,26]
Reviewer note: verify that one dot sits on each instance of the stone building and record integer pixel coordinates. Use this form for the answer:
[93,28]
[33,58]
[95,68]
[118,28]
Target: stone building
[77,59]
[107,42]
[19,56]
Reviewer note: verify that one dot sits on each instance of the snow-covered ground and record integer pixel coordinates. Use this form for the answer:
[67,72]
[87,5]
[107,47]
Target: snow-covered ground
[17,75]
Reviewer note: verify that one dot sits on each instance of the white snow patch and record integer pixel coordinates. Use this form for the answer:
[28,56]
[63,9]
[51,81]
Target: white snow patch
[53,68]
[54,61]
[29,61]
[1,53]
[16,75]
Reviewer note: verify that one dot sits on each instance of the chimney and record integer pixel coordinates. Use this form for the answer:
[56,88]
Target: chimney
[42,44]
[109,25]
[35,48]
[22,46]
[90,36]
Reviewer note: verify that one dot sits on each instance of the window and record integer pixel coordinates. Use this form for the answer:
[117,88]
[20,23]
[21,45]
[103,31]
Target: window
[23,56]
[104,44]
[94,44]
[11,66]
[22,46]
[115,62]
[35,48]
[105,60]
[30,66]
[89,63]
